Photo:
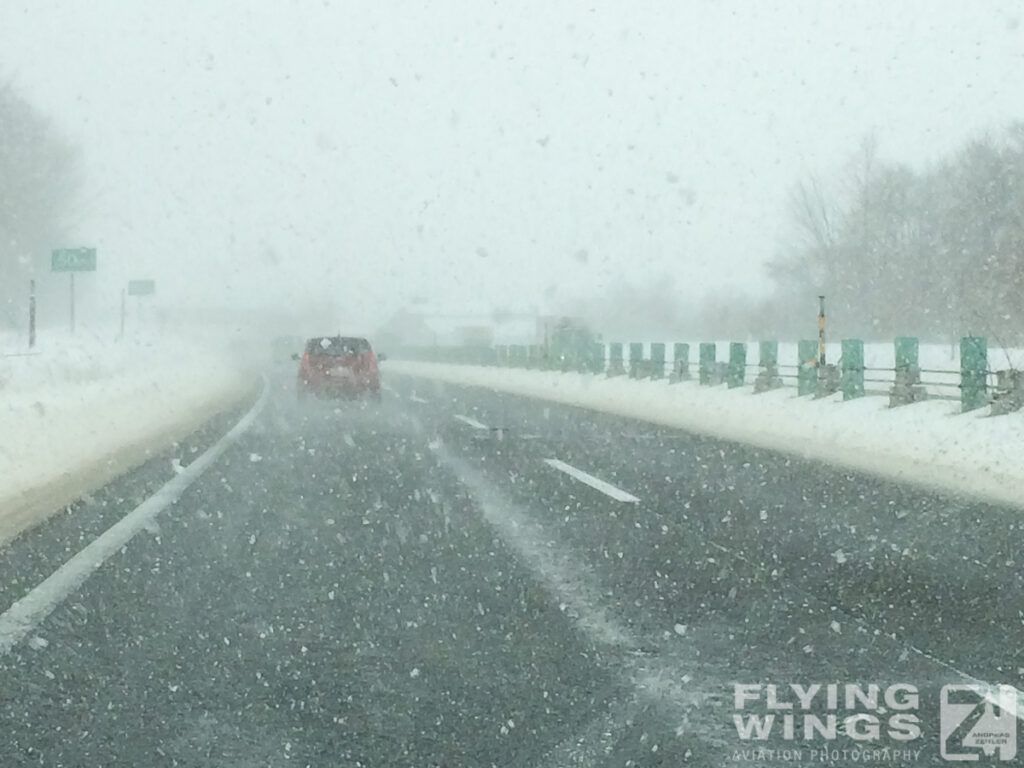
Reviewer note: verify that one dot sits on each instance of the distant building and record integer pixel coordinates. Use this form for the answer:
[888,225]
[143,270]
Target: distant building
[422,327]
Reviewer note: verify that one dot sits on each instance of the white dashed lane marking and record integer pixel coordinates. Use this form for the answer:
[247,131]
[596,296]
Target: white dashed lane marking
[594,482]
[471,421]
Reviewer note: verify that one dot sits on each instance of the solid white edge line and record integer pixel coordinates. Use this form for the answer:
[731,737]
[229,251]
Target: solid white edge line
[594,482]
[471,421]
[29,612]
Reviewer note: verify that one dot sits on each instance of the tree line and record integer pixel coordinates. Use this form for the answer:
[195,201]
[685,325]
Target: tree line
[39,183]
[936,253]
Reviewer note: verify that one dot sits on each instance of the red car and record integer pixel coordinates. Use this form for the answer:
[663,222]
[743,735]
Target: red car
[338,366]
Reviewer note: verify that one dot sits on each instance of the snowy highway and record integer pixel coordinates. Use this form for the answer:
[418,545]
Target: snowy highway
[458,577]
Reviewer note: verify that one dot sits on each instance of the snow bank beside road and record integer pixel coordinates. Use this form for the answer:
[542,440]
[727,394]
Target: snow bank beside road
[80,412]
[928,443]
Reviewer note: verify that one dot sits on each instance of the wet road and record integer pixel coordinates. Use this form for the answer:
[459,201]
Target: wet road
[461,578]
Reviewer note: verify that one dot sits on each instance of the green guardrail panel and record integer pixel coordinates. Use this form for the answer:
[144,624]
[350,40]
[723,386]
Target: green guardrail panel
[522,355]
[657,360]
[533,356]
[851,369]
[807,360]
[681,360]
[636,357]
[906,350]
[973,372]
[737,370]
[707,362]
[767,353]
[615,362]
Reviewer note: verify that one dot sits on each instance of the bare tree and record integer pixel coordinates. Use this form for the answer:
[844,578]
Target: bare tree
[937,252]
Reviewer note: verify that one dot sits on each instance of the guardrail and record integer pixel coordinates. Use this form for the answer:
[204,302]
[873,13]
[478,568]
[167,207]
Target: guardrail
[974,384]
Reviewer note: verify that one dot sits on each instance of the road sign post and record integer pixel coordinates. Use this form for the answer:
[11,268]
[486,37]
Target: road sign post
[139,289]
[73,260]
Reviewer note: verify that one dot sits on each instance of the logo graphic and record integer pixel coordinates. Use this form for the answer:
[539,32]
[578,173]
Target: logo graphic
[978,719]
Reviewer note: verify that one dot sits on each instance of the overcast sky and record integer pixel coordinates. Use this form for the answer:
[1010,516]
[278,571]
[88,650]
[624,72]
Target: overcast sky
[484,153]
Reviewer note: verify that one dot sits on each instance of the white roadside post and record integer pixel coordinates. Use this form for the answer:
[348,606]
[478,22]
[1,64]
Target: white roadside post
[138,289]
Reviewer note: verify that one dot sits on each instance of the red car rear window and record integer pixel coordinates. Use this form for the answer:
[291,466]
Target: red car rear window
[337,346]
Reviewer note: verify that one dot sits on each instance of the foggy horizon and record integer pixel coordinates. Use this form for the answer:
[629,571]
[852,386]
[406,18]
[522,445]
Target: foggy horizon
[364,156]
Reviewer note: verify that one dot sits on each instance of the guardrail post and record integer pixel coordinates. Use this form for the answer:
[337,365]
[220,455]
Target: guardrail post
[851,376]
[563,358]
[973,372]
[737,370]
[636,358]
[807,373]
[906,387]
[596,357]
[680,363]
[657,360]
[708,366]
[615,364]
[533,356]
[768,360]
[579,359]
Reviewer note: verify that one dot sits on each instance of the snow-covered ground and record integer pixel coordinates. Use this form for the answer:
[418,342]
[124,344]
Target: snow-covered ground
[80,409]
[929,443]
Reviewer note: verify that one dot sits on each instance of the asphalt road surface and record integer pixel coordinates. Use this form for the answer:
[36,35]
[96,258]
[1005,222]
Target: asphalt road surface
[456,577]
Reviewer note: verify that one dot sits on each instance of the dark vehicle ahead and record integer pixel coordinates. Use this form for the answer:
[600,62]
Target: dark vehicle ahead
[338,366]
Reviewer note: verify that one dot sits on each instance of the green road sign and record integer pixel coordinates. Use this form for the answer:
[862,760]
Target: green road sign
[74,260]
[141,287]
